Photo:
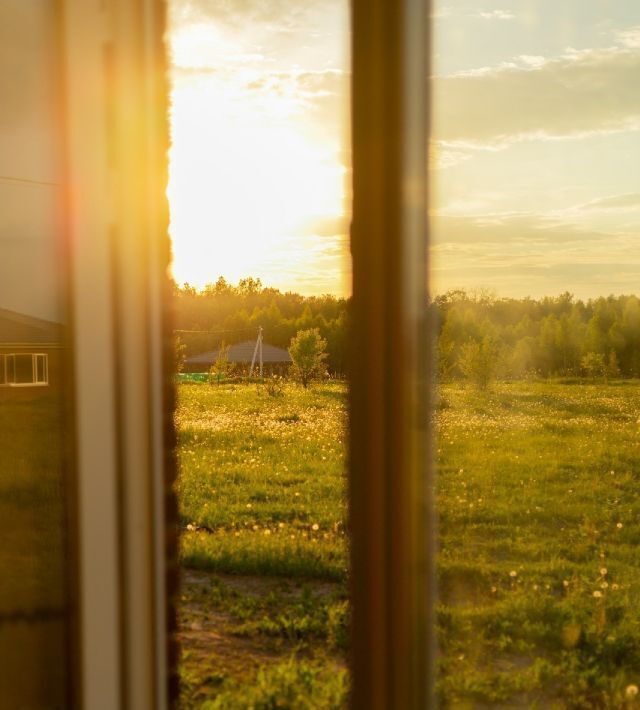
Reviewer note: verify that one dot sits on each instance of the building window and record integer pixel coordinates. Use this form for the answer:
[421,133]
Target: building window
[24,370]
[41,369]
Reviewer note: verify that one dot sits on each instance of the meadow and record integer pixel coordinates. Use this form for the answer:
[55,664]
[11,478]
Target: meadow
[539,524]
[264,612]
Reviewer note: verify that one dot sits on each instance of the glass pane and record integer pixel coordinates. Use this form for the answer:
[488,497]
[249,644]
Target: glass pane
[537,269]
[41,369]
[24,373]
[259,195]
[34,490]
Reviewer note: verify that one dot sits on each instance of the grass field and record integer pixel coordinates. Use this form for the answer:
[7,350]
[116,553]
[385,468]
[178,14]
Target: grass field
[264,613]
[539,524]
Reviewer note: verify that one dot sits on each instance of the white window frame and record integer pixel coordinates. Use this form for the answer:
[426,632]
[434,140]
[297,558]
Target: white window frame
[116,223]
[34,370]
[44,358]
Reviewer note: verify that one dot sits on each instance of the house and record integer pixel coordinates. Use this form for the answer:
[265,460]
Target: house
[274,359]
[30,355]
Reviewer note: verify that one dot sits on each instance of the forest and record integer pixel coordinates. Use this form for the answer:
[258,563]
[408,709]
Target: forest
[479,336]
[526,338]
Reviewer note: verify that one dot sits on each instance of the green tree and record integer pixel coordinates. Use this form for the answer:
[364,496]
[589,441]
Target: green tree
[593,365]
[222,367]
[478,362]
[308,352]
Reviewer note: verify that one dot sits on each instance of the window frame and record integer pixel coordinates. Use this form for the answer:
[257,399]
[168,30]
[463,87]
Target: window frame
[116,219]
[391,470]
[117,248]
[35,382]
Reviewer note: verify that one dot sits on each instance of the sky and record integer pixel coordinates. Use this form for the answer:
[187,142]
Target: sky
[534,165]
[259,182]
[536,170]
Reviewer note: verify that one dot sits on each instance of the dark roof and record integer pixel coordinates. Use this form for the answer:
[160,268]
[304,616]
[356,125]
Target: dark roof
[242,352]
[18,328]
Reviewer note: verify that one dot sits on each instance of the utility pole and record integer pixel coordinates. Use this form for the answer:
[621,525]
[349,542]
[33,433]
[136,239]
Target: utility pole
[257,352]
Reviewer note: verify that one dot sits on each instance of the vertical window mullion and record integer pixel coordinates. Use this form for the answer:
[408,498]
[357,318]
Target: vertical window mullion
[389,505]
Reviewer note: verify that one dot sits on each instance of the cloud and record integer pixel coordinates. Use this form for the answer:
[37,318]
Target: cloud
[337,226]
[321,96]
[239,12]
[529,254]
[628,201]
[575,95]
[327,82]
[494,15]
[447,11]
[630,37]
[507,230]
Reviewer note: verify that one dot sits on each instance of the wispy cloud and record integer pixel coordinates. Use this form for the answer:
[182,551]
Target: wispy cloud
[630,37]
[571,96]
[530,254]
[446,11]
[627,202]
[494,15]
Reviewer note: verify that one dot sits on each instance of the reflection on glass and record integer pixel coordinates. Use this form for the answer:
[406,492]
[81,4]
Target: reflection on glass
[33,585]
[537,271]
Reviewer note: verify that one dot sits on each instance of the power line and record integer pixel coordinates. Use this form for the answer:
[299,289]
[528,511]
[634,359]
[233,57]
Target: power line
[26,181]
[216,332]
[249,329]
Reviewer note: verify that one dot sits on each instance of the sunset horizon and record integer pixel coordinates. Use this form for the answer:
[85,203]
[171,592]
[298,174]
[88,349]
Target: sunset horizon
[533,178]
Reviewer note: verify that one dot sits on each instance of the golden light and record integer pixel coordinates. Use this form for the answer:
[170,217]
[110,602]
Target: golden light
[249,176]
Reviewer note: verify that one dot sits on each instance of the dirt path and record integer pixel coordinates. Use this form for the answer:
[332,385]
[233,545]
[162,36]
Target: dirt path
[216,637]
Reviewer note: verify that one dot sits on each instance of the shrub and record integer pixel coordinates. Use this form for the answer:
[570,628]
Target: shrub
[308,352]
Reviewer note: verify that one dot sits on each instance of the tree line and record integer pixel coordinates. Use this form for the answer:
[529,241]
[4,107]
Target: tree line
[224,313]
[481,337]
[478,335]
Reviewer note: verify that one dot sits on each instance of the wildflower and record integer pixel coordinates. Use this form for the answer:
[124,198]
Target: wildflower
[603,571]
[281,525]
[255,527]
[191,527]
[618,525]
[249,505]
[315,526]
[493,590]
[597,594]
[631,691]
[565,583]
[615,586]
[604,585]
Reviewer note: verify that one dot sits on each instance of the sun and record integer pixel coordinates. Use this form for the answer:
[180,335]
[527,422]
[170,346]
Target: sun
[248,176]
